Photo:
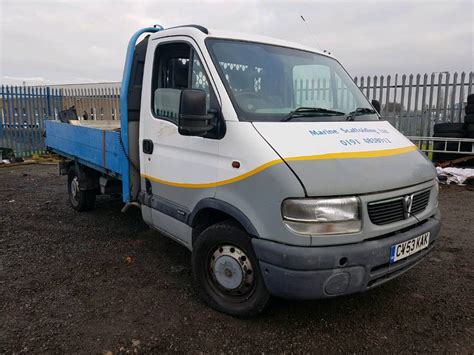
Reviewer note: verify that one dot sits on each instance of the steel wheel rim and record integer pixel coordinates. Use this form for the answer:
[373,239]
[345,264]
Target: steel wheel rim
[74,187]
[231,272]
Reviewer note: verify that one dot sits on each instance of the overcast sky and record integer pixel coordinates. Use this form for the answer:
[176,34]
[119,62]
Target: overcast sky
[46,42]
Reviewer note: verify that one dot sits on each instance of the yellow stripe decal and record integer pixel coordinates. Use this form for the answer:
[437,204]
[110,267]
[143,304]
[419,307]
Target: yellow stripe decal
[356,155]
[345,155]
[218,183]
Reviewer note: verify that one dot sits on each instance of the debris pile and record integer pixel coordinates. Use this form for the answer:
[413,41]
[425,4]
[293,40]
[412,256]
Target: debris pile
[455,175]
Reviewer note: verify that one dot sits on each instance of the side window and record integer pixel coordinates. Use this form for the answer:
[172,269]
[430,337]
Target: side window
[199,79]
[176,67]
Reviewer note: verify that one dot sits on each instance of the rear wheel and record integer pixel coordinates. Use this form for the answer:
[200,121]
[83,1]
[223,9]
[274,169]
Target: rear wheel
[449,135]
[469,109]
[81,200]
[470,99]
[227,271]
[441,128]
[469,119]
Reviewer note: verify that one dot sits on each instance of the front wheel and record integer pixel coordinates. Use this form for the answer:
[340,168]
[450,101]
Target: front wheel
[81,200]
[227,271]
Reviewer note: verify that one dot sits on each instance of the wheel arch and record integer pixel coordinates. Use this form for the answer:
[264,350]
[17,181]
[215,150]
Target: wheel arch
[88,177]
[210,211]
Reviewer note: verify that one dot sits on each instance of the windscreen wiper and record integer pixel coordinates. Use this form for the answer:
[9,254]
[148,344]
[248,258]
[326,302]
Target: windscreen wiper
[308,111]
[359,112]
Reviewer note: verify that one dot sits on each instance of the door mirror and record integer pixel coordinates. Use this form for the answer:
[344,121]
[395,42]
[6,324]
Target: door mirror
[193,119]
[376,105]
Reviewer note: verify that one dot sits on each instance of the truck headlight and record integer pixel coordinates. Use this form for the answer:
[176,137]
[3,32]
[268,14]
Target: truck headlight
[322,215]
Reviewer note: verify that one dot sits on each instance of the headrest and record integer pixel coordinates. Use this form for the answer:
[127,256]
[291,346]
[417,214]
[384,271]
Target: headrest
[181,77]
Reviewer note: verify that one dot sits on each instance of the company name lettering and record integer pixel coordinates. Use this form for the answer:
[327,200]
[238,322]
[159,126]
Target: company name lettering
[358,130]
[322,132]
[327,132]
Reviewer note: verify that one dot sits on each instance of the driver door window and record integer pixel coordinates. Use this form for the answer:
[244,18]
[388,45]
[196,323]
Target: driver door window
[177,67]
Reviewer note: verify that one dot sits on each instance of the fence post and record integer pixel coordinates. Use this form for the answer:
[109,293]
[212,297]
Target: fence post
[423,106]
[61,100]
[469,88]
[461,97]
[446,93]
[3,125]
[387,98]
[399,120]
[395,94]
[48,100]
[407,119]
[415,130]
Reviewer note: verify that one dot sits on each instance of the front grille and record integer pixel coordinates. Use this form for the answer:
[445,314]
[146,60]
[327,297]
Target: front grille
[397,209]
[420,201]
[384,212]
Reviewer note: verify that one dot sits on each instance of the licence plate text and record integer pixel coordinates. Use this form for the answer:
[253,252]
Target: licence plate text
[410,247]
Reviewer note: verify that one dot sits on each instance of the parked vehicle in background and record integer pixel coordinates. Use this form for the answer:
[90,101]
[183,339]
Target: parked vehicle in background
[276,191]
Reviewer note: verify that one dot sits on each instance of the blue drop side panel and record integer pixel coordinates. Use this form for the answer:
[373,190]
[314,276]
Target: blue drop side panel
[87,144]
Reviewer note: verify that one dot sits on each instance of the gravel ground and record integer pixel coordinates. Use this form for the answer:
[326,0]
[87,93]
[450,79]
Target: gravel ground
[102,281]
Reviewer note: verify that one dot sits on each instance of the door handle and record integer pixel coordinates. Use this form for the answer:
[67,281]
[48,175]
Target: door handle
[147,146]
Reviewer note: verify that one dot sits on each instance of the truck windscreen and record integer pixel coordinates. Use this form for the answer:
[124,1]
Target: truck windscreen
[274,83]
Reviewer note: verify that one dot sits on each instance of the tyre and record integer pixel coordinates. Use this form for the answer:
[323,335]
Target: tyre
[452,146]
[442,157]
[227,272]
[450,135]
[469,118]
[448,128]
[469,109]
[470,99]
[81,200]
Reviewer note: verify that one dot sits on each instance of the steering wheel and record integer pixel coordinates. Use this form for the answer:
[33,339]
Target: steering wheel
[245,93]
[250,98]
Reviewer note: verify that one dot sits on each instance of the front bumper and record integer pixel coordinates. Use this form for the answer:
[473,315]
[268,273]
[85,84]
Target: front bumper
[321,272]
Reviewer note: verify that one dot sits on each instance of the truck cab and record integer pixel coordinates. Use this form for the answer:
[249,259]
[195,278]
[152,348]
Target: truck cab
[264,159]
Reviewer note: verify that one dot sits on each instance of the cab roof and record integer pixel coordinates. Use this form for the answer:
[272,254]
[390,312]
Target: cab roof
[197,31]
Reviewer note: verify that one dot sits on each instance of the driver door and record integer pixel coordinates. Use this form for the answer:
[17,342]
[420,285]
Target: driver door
[177,171]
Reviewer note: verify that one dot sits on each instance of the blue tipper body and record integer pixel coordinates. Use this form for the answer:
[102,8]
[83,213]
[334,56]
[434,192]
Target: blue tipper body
[102,150]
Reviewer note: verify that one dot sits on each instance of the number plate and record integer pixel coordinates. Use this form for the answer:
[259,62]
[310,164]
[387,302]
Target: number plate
[410,247]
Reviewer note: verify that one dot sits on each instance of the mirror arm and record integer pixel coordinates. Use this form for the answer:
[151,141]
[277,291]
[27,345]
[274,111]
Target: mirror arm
[376,105]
